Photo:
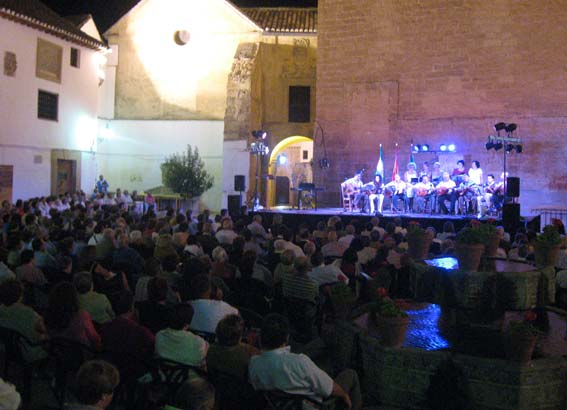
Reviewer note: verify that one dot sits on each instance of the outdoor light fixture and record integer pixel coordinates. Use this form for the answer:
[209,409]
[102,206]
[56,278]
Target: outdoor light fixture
[499,126]
[259,134]
[498,146]
[416,148]
[425,148]
[451,148]
[509,148]
[443,148]
[282,159]
[511,128]
[519,149]
[489,145]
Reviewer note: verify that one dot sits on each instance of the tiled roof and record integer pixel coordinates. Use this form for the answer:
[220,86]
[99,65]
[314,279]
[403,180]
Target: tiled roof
[78,19]
[34,13]
[283,19]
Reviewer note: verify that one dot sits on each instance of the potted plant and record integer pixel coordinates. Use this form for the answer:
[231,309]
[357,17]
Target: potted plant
[342,299]
[521,337]
[419,241]
[547,246]
[469,247]
[389,318]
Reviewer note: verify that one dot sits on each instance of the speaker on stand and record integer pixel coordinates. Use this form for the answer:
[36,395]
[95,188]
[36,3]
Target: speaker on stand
[512,187]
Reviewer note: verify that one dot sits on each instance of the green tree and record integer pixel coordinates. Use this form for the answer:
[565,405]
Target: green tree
[185,175]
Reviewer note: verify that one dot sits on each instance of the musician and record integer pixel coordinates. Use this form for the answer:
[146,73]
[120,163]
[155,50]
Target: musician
[460,170]
[376,198]
[475,173]
[410,177]
[446,192]
[353,187]
[486,195]
[436,173]
[466,191]
[497,198]
[423,192]
[398,188]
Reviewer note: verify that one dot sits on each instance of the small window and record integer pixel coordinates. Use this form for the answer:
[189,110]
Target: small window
[299,104]
[47,105]
[305,154]
[48,63]
[75,57]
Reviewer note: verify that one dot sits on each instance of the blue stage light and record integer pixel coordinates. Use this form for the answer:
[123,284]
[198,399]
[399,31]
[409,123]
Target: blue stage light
[451,148]
[416,148]
[425,147]
[443,148]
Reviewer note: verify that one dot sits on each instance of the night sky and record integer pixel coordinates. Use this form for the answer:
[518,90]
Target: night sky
[107,12]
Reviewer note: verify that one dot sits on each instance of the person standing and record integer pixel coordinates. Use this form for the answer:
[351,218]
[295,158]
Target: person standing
[101,185]
[475,173]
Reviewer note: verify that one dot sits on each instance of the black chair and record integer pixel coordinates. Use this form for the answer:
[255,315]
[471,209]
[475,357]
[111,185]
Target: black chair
[15,347]
[167,378]
[233,393]
[68,355]
[303,317]
[280,400]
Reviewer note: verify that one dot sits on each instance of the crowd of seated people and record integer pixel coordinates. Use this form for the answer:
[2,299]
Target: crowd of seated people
[178,286]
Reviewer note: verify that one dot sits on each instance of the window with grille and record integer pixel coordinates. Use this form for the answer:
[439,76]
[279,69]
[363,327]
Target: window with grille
[47,105]
[299,104]
[75,57]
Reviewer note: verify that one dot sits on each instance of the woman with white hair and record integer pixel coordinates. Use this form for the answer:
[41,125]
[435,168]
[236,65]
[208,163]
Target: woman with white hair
[9,398]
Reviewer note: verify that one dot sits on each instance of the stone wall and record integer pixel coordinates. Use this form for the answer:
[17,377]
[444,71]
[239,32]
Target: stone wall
[439,72]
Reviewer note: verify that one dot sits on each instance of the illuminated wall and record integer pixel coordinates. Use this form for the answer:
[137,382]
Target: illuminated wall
[26,141]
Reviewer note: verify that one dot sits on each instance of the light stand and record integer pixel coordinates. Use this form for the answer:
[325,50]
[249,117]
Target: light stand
[258,148]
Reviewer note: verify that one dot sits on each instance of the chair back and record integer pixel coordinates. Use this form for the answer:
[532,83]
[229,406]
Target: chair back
[172,375]
[233,393]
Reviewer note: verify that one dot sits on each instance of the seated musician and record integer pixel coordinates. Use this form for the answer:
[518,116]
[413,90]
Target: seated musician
[423,192]
[436,173]
[486,196]
[398,189]
[466,192]
[446,192]
[410,177]
[352,187]
[376,197]
[497,198]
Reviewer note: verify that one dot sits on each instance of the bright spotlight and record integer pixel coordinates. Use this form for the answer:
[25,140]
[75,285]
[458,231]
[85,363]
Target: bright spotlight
[416,148]
[282,159]
[451,148]
[443,148]
[425,147]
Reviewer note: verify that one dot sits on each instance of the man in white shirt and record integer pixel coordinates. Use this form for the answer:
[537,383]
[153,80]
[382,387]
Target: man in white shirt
[279,369]
[348,237]
[256,227]
[208,311]
[323,274]
[446,192]
[226,235]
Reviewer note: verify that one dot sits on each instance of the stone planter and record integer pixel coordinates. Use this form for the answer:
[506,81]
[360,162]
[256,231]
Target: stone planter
[418,246]
[469,256]
[546,255]
[392,330]
[519,348]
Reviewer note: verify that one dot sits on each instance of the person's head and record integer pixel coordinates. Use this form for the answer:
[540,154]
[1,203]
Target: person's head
[95,383]
[460,164]
[10,399]
[317,258]
[425,166]
[26,256]
[490,178]
[309,248]
[302,265]
[181,316]
[287,257]
[101,177]
[157,289]
[201,287]
[397,178]
[425,179]
[378,179]
[124,304]
[123,240]
[219,254]
[229,330]
[446,176]
[274,331]
[357,176]
[475,164]
[257,218]
[448,227]
[11,291]
[83,282]
[412,166]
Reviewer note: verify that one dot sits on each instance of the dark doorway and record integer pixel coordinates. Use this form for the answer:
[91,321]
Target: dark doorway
[66,176]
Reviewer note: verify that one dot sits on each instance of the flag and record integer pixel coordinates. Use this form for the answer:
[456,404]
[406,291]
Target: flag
[380,164]
[395,169]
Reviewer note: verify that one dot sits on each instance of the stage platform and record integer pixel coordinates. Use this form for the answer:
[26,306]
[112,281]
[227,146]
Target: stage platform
[294,217]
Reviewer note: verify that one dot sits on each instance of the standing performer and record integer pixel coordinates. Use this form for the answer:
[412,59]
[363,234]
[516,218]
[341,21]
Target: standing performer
[411,178]
[377,195]
[475,173]
[460,170]
[446,191]
[425,171]
[436,173]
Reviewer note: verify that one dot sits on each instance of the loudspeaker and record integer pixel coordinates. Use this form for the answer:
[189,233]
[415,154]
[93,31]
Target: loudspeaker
[511,218]
[234,205]
[239,183]
[512,187]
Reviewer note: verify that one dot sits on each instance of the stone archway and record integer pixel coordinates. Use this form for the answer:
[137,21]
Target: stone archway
[299,162]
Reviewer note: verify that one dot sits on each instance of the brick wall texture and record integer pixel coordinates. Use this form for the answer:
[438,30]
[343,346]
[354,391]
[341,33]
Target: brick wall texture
[442,71]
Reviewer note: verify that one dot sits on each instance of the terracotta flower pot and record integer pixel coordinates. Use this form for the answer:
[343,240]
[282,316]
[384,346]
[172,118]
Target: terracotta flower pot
[469,255]
[392,330]
[520,348]
[418,247]
[546,255]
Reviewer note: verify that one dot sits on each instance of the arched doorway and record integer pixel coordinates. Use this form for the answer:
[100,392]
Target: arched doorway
[291,158]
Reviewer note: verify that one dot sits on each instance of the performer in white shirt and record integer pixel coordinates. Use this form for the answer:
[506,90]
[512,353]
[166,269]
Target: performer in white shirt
[446,191]
[398,188]
[376,198]
[475,173]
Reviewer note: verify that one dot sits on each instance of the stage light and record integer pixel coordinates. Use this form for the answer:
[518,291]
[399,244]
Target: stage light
[259,134]
[451,148]
[416,148]
[443,148]
[511,127]
[519,149]
[498,146]
[282,159]
[425,147]
[489,145]
[509,148]
[499,126]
